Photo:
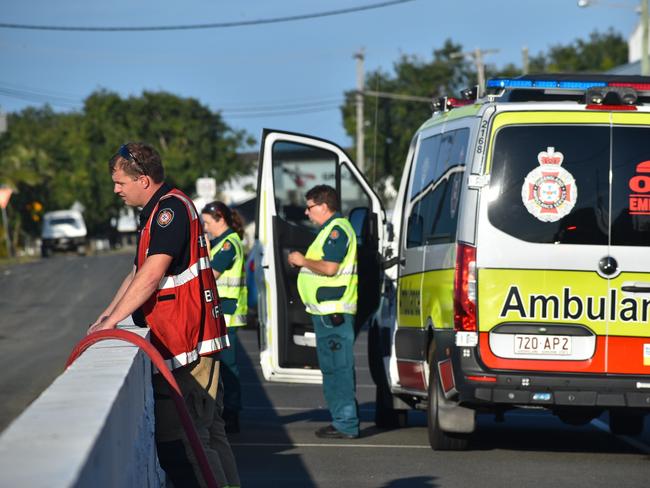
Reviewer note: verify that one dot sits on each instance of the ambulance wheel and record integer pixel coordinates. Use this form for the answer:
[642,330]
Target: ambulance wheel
[438,438]
[622,422]
[386,417]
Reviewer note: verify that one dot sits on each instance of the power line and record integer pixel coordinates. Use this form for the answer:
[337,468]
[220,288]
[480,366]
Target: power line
[280,113]
[217,25]
[283,107]
[32,96]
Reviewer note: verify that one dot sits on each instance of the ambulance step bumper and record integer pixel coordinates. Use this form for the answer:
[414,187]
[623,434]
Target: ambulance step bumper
[563,398]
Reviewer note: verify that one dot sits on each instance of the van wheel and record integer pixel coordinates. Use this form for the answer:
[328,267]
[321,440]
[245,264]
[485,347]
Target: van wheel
[81,250]
[386,417]
[438,438]
[623,422]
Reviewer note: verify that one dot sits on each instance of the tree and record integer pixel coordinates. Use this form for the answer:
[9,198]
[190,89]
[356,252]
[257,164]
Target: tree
[390,124]
[67,155]
[602,52]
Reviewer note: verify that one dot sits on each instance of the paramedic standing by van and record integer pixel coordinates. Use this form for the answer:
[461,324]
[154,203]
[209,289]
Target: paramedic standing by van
[227,258]
[327,284]
[172,288]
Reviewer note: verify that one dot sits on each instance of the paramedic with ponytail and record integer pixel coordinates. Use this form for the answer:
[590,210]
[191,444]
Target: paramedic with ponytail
[327,284]
[227,258]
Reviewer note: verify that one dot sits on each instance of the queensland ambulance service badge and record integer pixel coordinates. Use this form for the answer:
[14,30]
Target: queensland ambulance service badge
[549,192]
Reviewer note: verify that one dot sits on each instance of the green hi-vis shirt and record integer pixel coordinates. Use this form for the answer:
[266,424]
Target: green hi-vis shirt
[227,256]
[325,295]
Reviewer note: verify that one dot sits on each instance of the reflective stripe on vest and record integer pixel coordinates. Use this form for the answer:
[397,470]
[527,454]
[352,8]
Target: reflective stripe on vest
[187,275]
[232,282]
[346,275]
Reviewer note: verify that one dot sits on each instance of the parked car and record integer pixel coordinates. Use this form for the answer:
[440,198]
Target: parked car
[63,230]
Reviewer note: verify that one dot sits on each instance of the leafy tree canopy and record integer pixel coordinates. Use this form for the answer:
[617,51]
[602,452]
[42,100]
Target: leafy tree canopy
[390,124]
[53,159]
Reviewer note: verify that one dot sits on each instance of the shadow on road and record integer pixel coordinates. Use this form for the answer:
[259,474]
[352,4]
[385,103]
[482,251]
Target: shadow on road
[264,448]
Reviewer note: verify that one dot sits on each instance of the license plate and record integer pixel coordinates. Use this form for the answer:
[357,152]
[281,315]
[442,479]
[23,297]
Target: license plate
[542,344]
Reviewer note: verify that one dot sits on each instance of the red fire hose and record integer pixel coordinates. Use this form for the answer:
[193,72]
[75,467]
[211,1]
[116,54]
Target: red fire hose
[159,362]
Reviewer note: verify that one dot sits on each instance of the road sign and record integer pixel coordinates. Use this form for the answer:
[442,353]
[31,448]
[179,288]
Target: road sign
[206,188]
[5,195]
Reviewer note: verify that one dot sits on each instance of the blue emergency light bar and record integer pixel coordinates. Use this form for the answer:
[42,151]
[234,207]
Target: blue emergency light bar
[545,84]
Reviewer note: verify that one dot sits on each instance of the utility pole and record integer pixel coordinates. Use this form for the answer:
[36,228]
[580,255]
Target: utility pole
[645,67]
[524,60]
[477,56]
[359,56]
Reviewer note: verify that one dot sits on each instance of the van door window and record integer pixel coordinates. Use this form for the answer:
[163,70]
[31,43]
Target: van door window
[631,186]
[296,169]
[435,209]
[352,193]
[584,154]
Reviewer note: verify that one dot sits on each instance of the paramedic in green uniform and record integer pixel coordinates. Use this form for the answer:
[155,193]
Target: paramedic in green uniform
[227,258]
[327,284]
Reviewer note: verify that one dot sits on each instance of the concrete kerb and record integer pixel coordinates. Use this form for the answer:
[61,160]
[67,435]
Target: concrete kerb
[94,426]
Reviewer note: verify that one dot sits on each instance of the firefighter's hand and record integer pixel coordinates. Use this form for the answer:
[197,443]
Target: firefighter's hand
[100,324]
[296,258]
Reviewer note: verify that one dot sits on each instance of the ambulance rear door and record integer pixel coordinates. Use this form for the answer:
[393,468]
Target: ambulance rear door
[628,340]
[543,256]
[290,165]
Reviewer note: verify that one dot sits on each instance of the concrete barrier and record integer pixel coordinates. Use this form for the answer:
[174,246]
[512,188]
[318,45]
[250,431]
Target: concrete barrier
[93,427]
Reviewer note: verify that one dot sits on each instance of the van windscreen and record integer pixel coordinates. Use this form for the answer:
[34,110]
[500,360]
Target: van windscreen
[550,184]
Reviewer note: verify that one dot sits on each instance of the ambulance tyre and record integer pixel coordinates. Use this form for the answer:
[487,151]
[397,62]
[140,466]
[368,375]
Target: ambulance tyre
[386,417]
[622,422]
[438,438]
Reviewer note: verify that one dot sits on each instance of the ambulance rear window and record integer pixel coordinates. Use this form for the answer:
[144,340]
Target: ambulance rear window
[550,184]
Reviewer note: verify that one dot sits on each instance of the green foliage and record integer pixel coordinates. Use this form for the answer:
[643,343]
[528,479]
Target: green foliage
[601,52]
[56,159]
[395,120]
[390,124]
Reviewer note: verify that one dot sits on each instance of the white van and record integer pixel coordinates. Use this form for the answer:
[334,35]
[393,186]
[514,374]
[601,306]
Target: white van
[63,230]
[514,272]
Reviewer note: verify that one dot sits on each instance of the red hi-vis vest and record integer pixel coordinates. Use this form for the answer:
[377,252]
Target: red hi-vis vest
[184,313]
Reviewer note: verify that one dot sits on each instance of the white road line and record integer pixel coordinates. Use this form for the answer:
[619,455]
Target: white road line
[336,445]
[269,383]
[599,424]
[300,409]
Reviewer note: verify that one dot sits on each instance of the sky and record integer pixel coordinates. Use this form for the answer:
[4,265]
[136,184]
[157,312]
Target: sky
[289,75]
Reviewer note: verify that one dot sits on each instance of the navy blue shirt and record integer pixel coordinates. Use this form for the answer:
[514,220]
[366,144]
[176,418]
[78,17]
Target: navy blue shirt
[336,244]
[170,234]
[225,258]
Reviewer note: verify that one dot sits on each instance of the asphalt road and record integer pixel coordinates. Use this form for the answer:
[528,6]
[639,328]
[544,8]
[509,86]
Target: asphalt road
[45,307]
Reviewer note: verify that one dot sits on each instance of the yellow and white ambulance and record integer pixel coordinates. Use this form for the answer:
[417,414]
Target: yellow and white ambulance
[516,265]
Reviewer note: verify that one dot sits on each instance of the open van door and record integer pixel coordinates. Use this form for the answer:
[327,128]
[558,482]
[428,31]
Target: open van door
[291,164]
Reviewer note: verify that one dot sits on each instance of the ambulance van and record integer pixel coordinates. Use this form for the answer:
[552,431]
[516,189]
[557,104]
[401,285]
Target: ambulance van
[515,271]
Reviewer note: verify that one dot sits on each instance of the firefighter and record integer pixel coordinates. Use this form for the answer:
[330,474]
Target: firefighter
[169,290]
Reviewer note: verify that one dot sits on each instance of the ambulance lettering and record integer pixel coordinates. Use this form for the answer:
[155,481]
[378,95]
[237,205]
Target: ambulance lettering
[640,186]
[575,307]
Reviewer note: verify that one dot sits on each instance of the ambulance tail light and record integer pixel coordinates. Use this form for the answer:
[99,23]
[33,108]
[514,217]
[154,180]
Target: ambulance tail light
[465,289]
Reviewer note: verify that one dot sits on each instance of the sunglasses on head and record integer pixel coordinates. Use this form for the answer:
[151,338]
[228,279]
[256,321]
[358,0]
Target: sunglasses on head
[124,153]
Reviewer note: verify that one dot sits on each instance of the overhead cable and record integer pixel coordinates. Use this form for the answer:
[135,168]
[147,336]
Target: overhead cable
[216,25]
